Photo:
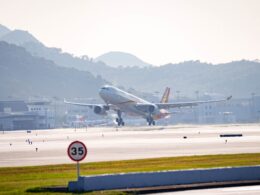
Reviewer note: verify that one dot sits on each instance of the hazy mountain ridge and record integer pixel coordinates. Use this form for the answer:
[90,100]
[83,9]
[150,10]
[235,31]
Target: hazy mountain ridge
[38,49]
[240,78]
[18,37]
[22,75]
[3,30]
[121,59]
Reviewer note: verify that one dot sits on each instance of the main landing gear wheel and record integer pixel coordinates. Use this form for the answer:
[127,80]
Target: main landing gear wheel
[150,121]
[119,120]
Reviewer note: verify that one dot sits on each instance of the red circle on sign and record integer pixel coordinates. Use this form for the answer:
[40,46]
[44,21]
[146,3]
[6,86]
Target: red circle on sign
[83,156]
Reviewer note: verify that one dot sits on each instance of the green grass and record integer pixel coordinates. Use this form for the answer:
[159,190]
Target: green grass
[31,180]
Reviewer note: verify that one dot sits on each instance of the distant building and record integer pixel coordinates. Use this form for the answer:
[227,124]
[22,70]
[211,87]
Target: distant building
[244,110]
[13,106]
[17,121]
[45,113]
[16,115]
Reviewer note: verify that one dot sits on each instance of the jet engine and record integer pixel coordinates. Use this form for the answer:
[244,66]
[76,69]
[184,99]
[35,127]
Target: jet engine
[151,108]
[101,110]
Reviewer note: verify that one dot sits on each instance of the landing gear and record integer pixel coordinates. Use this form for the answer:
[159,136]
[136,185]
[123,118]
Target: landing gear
[119,120]
[150,121]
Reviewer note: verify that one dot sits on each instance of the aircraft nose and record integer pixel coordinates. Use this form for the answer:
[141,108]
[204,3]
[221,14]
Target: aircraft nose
[102,92]
[105,92]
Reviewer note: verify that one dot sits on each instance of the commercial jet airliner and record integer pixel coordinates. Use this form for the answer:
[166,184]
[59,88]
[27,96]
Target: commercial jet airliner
[123,102]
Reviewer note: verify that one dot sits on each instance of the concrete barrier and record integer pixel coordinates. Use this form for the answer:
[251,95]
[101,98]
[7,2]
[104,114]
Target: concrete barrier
[164,178]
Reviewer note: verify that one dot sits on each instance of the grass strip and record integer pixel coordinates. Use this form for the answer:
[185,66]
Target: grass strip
[34,179]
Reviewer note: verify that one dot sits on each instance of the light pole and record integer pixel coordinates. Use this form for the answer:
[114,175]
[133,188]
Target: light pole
[197,107]
[253,106]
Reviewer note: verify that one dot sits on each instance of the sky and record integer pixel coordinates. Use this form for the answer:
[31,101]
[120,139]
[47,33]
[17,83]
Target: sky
[157,31]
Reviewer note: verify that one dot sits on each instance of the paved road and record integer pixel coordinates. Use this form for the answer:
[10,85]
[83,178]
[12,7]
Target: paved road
[125,143]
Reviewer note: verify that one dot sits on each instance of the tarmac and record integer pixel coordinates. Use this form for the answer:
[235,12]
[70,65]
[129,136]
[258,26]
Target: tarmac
[241,190]
[45,147]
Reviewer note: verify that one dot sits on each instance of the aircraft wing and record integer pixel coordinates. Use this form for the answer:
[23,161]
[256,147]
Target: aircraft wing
[188,104]
[81,104]
[109,106]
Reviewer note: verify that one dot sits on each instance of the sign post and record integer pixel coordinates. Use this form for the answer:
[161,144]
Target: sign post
[77,151]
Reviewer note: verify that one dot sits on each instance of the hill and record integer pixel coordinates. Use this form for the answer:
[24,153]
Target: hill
[3,30]
[18,37]
[23,75]
[116,59]
[36,48]
[239,78]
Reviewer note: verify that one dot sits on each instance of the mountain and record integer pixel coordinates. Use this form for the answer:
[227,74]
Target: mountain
[239,78]
[18,37]
[3,30]
[64,59]
[116,59]
[38,49]
[23,75]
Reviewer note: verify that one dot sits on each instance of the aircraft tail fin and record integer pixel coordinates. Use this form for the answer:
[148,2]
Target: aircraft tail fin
[165,97]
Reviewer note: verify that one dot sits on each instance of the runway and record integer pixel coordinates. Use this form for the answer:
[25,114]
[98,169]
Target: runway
[243,190]
[110,143]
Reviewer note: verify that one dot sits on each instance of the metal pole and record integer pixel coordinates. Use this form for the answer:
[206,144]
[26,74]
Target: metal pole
[78,170]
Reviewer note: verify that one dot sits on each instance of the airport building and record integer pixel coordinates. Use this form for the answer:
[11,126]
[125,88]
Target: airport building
[45,113]
[15,115]
[243,110]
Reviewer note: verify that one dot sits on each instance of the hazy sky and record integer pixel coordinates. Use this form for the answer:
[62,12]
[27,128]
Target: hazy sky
[157,31]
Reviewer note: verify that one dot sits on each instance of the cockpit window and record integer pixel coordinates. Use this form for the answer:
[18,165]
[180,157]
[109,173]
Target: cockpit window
[105,88]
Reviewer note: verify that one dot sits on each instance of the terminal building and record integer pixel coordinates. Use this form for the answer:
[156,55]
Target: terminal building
[16,115]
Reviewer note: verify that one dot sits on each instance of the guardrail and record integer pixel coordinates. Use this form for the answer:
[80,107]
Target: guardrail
[164,178]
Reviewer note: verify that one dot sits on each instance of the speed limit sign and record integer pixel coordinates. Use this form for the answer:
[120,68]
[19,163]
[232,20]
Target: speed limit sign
[77,151]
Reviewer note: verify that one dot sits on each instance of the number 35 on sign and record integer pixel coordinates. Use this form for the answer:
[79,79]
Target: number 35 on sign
[77,151]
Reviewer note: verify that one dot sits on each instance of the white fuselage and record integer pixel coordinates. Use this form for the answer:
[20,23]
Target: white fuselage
[127,102]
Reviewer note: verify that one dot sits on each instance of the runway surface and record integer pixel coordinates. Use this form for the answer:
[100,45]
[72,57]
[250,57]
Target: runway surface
[243,190]
[110,143]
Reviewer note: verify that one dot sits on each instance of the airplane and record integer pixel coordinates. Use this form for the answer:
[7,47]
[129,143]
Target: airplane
[123,102]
